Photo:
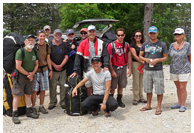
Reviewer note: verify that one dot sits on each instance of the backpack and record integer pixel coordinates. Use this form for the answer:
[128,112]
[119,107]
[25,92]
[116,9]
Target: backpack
[8,97]
[113,49]
[73,104]
[11,43]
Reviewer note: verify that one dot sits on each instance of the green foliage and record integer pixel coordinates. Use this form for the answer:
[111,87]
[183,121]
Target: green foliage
[27,18]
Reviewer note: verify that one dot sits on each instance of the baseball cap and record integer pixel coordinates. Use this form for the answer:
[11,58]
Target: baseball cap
[84,29]
[96,59]
[58,31]
[179,31]
[69,31]
[47,27]
[28,36]
[153,29]
[91,27]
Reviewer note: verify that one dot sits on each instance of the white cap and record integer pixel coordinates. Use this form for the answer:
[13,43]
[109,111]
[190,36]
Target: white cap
[178,31]
[47,27]
[91,27]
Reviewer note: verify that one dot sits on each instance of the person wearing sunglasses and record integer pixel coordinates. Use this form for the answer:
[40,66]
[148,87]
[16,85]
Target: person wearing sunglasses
[153,53]
[83,34]
[72,48]
[120,57]
[137,41]
[89,48]
[59,58]
[180,67]
[47,30]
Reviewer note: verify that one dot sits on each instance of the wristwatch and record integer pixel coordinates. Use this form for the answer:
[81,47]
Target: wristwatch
[104,103]
[51,70]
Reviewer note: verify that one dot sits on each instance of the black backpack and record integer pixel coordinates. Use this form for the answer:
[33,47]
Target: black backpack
[73,104]
[11,43]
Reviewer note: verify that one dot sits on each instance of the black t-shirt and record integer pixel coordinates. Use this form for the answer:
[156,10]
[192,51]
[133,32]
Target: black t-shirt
[137,49]
[58,53]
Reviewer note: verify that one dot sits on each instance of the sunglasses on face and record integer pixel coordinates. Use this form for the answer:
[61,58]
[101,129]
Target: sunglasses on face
[71,34]
[83,33]
[58,35]
[177,34]
[138,36]
[120,35]
[40,31]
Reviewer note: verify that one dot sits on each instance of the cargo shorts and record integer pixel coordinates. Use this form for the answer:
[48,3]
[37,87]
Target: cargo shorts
[22,85]
[121,79]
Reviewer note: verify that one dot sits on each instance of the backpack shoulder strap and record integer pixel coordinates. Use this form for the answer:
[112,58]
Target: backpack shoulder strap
[35,51]
[112,48]
[23,52]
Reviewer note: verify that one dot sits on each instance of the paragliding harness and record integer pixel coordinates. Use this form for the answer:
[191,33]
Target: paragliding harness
[123,47]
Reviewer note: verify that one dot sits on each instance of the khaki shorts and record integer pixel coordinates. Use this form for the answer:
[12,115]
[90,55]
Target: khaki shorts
[180,77]
[153,78]
[121,79]
[88,83]
[23,84]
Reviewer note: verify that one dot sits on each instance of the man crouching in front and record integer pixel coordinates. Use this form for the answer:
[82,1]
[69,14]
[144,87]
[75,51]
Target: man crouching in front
[101,98]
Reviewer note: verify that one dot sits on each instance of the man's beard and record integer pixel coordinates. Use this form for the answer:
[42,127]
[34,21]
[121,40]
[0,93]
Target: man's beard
[29,46]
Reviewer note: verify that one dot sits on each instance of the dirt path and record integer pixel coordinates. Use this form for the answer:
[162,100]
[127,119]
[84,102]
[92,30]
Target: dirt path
[129,119]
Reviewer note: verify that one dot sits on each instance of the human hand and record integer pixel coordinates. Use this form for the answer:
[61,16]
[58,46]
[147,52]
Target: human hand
[74,92]
[105,69]
[73,74]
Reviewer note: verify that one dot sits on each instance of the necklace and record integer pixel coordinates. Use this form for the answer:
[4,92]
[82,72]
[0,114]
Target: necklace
[178,45]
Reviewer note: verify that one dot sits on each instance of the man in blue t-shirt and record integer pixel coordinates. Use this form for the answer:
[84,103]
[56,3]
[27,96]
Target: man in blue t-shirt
[153,52]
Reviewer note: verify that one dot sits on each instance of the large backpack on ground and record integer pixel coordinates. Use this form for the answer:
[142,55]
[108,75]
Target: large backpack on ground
[73,104]
[11,43]
[8,97]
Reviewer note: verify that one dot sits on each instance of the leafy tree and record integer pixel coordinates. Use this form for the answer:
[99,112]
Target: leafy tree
[25,18]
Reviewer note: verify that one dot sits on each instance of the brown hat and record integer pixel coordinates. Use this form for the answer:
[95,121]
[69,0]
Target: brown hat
[84,29]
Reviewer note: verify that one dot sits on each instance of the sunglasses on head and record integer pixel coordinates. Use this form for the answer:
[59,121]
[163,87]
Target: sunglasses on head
[58,35]
[138,36]
[71,34]
[120,35]
[177,34]
[40,31]
[83,33]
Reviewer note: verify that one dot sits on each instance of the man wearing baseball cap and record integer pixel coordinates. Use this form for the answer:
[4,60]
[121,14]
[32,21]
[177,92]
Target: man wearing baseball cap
[47,30]
[153,53]
[26,65]
[59,58]
[101,98]
[89,48]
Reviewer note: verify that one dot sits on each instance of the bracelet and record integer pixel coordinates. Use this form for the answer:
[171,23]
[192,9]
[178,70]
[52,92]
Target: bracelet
[51,70]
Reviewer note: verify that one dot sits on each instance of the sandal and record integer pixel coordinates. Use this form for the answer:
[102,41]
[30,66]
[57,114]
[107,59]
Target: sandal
[145,109]
[158,112]
[176,106]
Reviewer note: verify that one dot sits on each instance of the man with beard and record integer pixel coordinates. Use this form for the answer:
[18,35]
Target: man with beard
[26,65]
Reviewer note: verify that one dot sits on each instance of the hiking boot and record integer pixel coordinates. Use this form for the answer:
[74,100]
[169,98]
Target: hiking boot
[35,111]
[15,118]
[51,107]
[121,104]
[142,100]
[63,106]
[43,110]
[135,102]
[30,113]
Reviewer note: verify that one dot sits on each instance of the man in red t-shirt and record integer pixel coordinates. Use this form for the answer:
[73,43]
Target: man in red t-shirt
[120,56]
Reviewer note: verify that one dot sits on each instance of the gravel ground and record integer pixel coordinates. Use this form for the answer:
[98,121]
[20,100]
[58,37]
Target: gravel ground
[129,119]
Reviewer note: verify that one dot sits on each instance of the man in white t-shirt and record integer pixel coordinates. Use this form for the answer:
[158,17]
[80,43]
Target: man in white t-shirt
[101,98]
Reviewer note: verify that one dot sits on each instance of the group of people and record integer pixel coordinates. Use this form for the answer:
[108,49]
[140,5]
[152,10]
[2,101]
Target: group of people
[104,68]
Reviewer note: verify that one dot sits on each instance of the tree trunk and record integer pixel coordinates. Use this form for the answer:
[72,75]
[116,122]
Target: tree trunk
[148,12]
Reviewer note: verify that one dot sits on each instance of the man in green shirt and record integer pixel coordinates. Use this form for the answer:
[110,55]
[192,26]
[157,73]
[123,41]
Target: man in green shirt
[26,66]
